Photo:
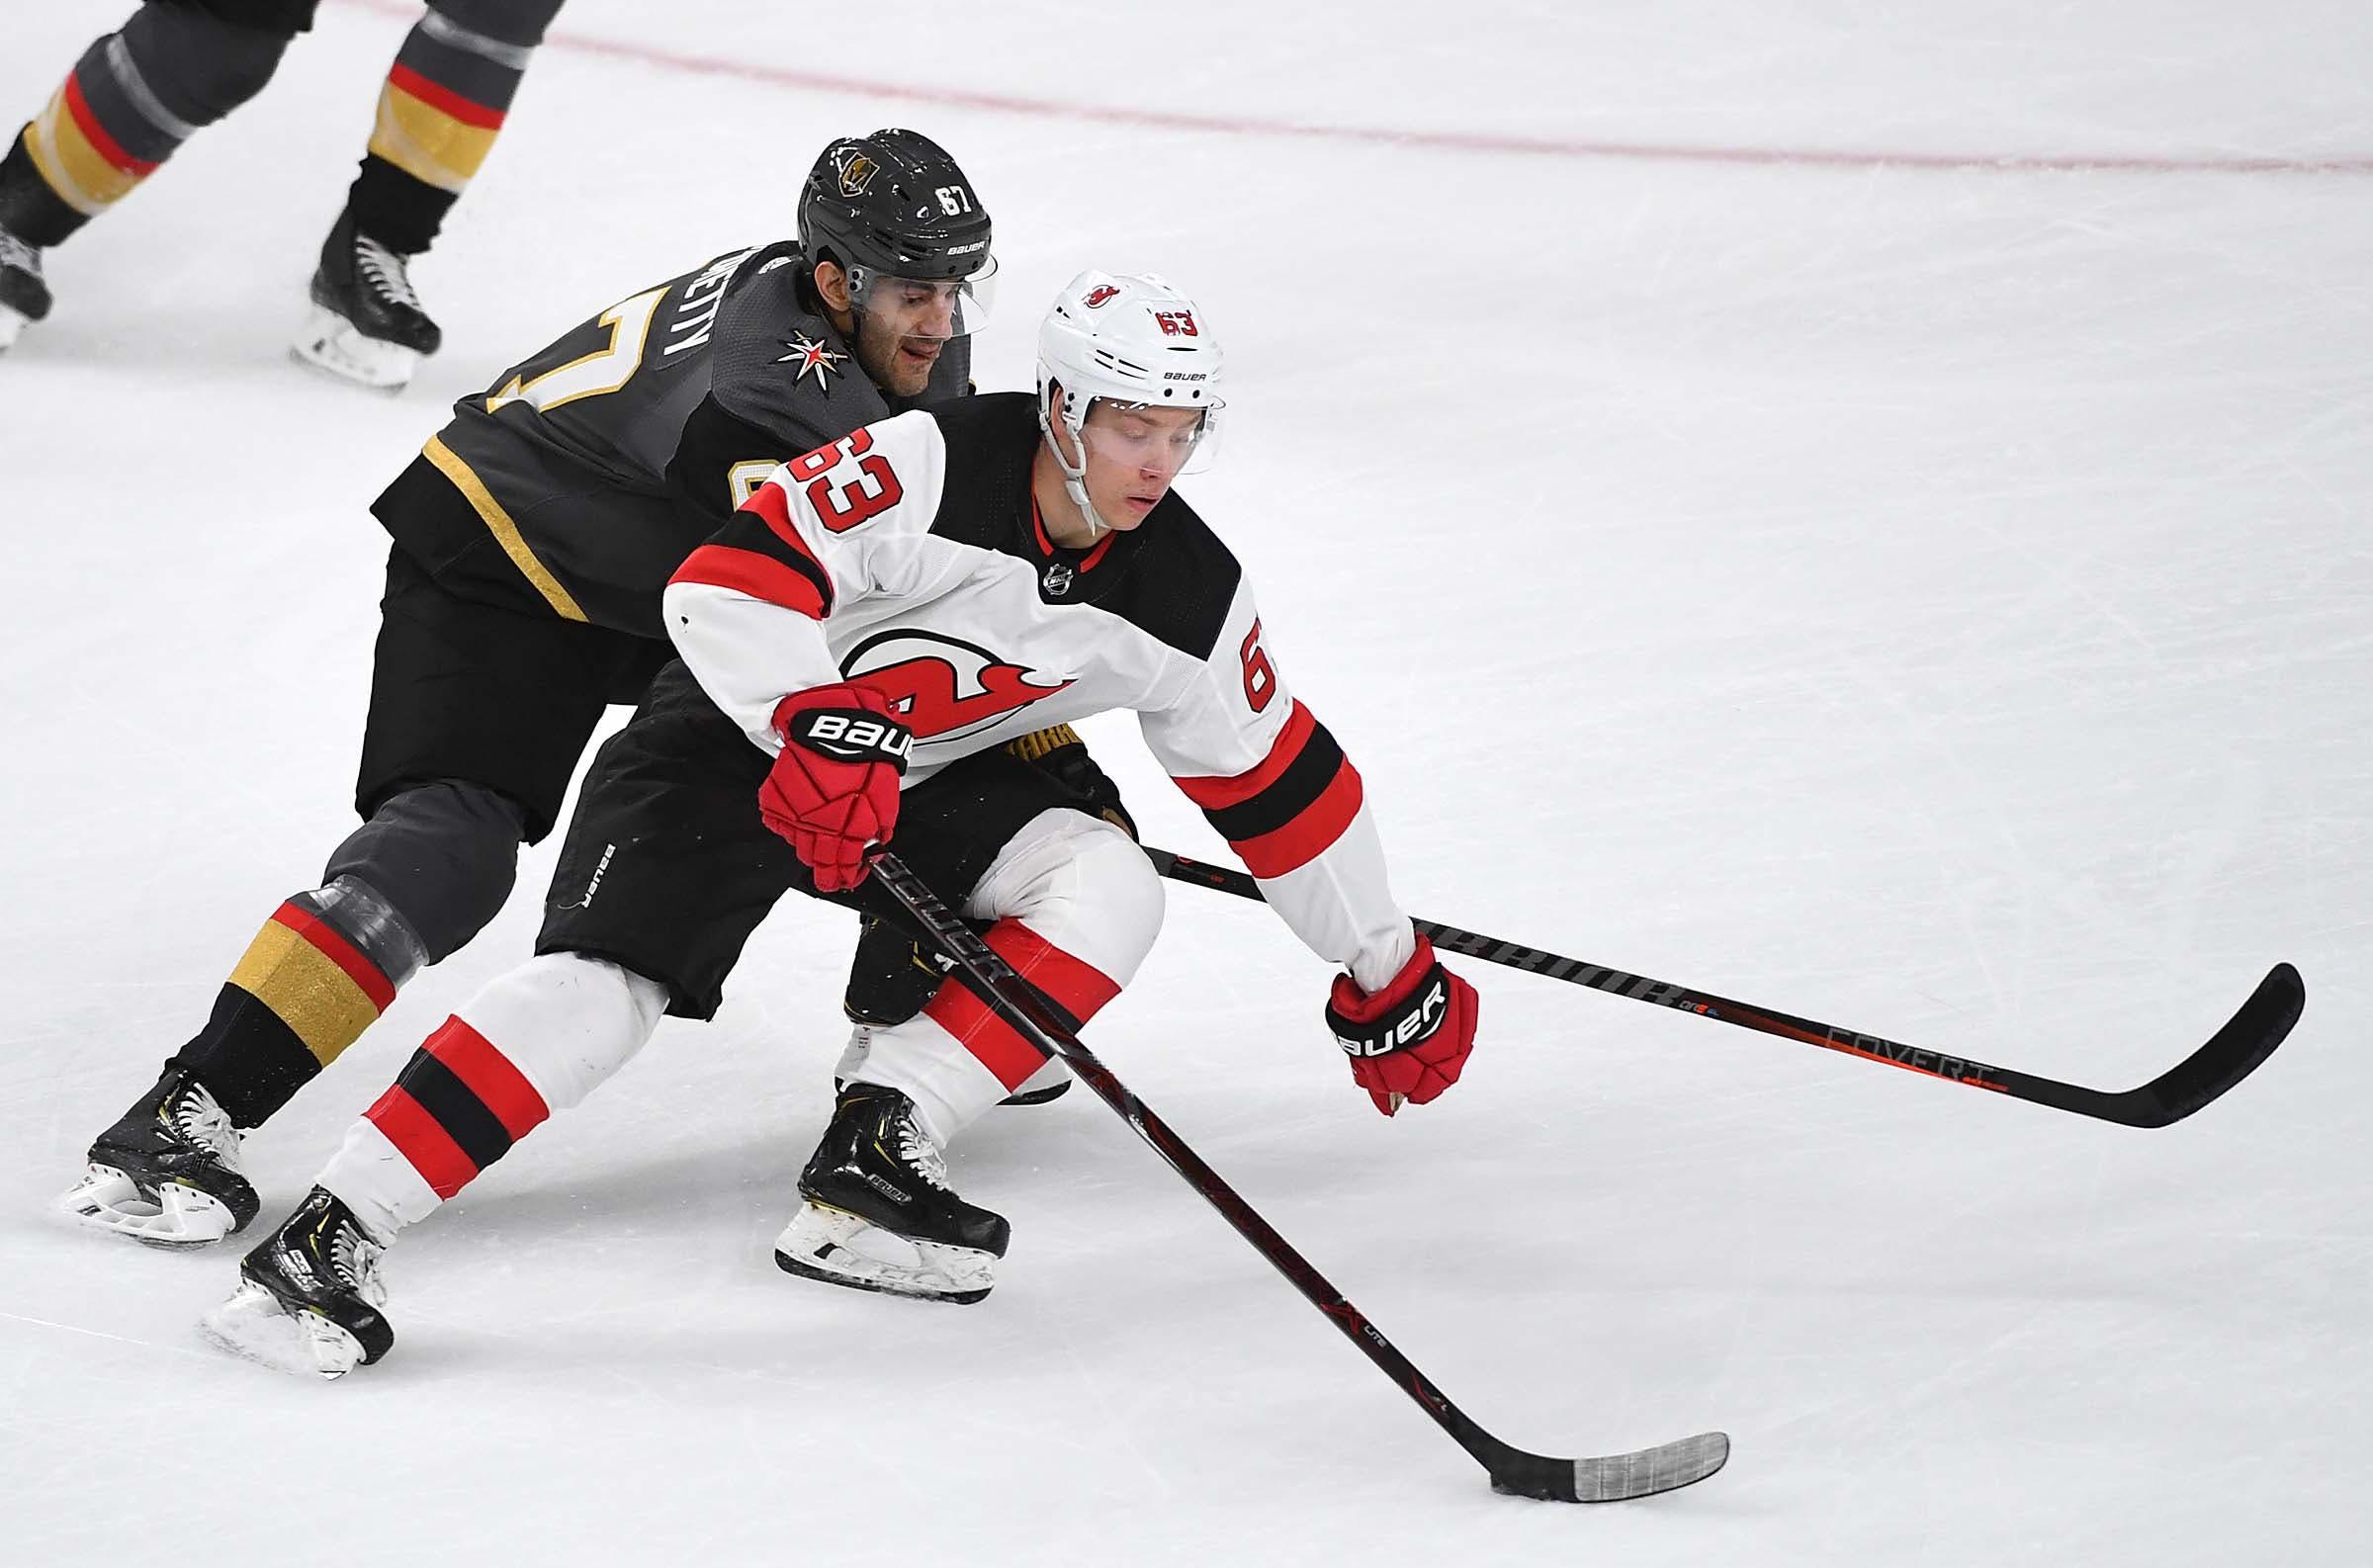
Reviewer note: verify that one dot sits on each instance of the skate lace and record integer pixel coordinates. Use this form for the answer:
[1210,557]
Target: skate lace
[921,1155]
[16,253]
[356,1258]
[386,272]
[197,1116]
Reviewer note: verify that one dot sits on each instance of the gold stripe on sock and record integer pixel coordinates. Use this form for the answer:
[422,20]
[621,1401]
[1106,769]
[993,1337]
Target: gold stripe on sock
[427,144]
[307,990]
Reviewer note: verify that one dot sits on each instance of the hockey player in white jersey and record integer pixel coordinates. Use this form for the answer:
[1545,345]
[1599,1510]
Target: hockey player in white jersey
[859,644]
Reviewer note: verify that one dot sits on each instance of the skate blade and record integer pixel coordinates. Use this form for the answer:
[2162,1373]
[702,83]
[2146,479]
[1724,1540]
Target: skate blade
[176,1217]
[841,1249]
[329,342]
[255,1325]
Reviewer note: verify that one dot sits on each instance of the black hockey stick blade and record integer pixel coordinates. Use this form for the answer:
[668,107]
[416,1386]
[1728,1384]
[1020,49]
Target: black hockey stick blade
[2247,1038]
[1611,1479]
[2232,1054]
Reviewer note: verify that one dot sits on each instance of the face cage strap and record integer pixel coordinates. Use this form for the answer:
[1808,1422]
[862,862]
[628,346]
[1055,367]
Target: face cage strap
[1074,480]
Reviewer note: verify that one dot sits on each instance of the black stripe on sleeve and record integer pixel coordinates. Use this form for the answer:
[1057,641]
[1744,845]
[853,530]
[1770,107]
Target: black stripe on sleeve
[749,531]
[1293,792]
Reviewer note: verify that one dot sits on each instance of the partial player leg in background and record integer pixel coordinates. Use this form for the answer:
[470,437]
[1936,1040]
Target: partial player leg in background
[134,95]
[478,718]
[439,112]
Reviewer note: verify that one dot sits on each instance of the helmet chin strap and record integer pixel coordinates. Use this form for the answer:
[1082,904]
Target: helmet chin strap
[1074,480]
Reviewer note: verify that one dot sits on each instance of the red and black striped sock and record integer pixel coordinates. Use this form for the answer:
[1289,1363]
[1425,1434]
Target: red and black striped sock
[458,1106]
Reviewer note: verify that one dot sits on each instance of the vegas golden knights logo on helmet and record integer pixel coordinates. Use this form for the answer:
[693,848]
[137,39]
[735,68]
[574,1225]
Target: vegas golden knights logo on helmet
[856,171]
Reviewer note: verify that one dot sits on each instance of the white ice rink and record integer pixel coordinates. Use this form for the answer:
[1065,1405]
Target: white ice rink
[1936,599]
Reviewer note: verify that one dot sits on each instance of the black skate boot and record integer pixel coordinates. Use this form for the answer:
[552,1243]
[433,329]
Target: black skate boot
[168,1172]
[309,1295]
[877,1213]
[366,323]
[24,296]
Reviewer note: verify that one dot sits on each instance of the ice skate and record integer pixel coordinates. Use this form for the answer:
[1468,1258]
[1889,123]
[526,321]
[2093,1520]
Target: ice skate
[308,1296]
[877,1213]
[24,296]
[168,1172]
[366,323]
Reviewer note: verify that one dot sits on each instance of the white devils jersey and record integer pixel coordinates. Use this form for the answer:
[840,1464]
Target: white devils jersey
[909,556]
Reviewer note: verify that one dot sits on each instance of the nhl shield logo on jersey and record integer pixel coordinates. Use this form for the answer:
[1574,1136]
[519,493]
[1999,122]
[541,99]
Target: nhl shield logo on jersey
[942,688]
[856,171]
[809,356]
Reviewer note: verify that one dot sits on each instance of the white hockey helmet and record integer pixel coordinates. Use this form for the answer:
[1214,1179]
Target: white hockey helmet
[1130,338]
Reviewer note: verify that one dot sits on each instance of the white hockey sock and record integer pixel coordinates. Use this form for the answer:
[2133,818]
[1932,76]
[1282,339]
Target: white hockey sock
[536,1040]
[1077,906]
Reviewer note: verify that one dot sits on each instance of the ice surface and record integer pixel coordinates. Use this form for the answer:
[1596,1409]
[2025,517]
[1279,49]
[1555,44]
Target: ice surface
[1935,601]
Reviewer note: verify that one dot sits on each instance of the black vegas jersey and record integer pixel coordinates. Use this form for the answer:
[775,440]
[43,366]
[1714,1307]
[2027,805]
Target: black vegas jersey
[909,556]
[578,479]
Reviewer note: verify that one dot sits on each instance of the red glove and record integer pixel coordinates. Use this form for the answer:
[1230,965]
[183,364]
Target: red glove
[1409,1040]
[834,790]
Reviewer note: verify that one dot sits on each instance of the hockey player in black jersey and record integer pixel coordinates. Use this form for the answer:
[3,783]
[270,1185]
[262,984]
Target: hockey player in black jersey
[859,642]
[532,539]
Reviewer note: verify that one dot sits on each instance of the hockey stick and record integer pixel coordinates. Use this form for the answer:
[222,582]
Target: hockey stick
[1601,1480]
[2232,1054]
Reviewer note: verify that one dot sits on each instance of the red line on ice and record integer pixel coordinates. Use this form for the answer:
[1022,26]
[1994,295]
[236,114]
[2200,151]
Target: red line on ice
[1425,140]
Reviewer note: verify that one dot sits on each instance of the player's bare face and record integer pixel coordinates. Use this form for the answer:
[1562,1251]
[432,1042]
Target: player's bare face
[903,328]
[1133,456]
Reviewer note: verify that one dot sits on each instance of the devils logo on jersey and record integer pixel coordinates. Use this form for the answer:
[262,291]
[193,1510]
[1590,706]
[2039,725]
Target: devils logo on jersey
[940,688]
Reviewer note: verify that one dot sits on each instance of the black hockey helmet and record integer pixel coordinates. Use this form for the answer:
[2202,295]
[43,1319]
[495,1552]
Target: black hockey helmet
[893,202]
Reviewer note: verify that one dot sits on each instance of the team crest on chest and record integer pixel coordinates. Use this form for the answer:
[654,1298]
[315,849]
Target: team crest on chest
[808,356]
[941,687]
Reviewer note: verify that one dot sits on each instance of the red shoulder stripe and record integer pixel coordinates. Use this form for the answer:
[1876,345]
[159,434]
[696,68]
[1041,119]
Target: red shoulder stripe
[772,505]
[747,571]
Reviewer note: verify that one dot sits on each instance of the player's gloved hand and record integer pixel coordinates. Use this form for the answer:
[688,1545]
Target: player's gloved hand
[834,789]
[1409,1040]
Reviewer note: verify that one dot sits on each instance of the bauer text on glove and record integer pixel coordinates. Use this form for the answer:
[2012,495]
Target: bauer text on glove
[834,789]
[1409,1040]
